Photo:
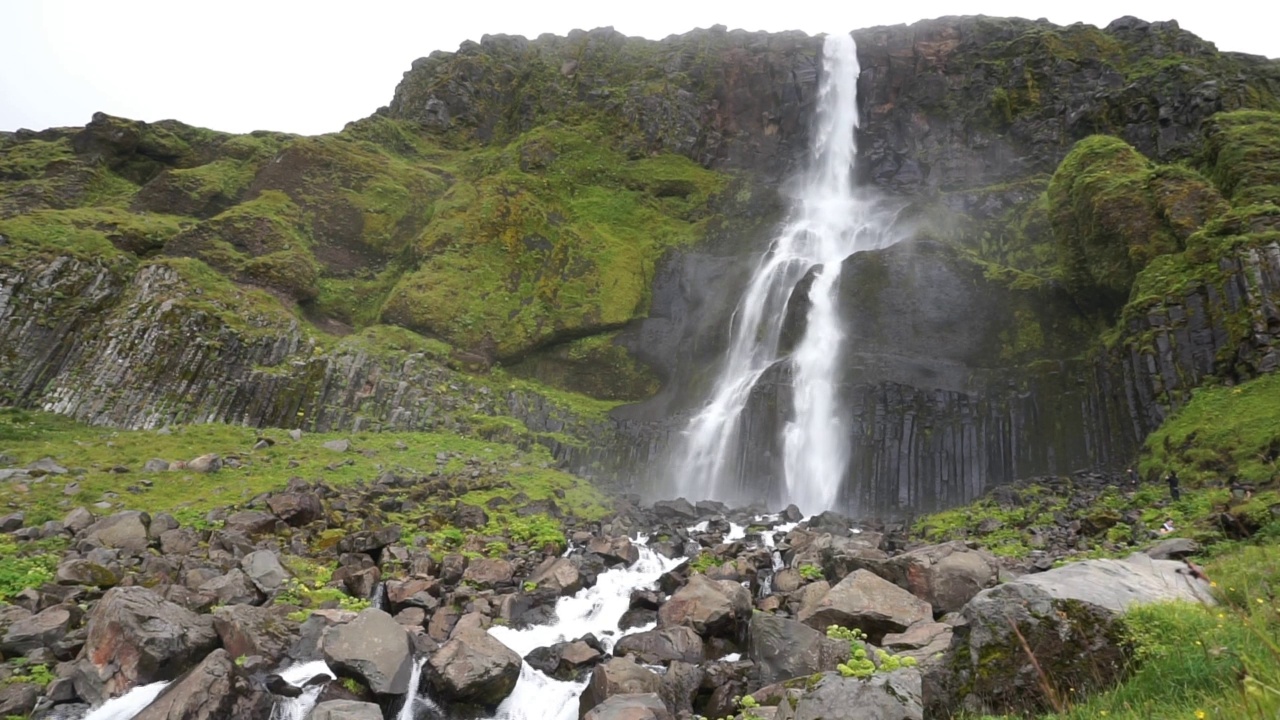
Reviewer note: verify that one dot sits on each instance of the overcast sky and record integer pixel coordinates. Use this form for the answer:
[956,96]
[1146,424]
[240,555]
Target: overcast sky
[241,65]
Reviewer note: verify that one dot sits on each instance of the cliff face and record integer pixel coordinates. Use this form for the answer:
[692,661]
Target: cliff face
[584,211]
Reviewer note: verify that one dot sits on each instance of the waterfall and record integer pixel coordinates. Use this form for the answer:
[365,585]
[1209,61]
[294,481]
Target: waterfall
[829,221]
[297,675]
[128,705]
[417,705]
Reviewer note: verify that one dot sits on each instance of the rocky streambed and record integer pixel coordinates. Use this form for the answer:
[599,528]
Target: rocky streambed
[666,611]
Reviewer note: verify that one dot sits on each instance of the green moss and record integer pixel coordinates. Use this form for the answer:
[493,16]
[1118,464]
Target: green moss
[594,366]
[86,233]
[28,436]
[251,311]
[31,159]
[1242,155]
[1105,223]
[552,236]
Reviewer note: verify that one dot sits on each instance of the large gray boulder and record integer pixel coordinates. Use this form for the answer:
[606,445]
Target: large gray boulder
[42,630]
[249,630]
[619,676]
[213,690]
[1069,617]
[345,710]
[233,588]
[264,570]
[127,530]
[559,575]
[632,706]
[883,696]
[713,608]
[868,602]
[783,649]
[373,647]
[946,576]
[135,637]
[474,668]
[661,646]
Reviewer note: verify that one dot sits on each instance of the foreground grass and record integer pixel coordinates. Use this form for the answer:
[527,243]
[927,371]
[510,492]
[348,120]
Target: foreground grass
[105,466]
[1196,661]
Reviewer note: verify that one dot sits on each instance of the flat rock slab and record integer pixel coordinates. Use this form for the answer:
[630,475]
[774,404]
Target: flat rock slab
[1117,584]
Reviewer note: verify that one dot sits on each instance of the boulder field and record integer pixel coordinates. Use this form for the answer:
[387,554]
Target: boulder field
[820,618]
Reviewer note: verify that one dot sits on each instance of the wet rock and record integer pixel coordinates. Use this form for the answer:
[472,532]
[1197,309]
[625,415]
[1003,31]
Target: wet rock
[374,648]
[675,511]
[296,509]
[783,649]
[659,647]
[345,710]
[868,602]
[233,588]
[18,699]
[246,630]
[883,696]
[42,630]
[713,608]
[792,514]
[124,530]
[134,638]
[680,688]
[614,550]
[619,676]
[213,690]
[85,572]
[635,706]
[264,570]
[559,575]
[567,661]
[946,576]
[489,572]
[474,668]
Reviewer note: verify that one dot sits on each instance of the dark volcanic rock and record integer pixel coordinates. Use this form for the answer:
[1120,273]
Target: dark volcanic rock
[474,668]
[135,638]
[374,648]
[213,690]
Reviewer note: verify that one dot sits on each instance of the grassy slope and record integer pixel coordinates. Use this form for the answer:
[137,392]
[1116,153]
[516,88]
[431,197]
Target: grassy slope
[93,454]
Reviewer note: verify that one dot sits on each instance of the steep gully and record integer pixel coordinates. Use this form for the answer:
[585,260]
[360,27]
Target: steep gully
[831,221]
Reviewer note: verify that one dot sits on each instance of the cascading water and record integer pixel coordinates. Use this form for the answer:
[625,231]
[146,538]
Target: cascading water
[595,610]
[830,221]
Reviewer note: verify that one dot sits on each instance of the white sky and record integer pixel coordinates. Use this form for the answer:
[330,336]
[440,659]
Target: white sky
[241,65]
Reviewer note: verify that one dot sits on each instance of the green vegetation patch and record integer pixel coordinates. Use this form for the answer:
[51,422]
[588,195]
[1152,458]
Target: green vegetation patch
[1106,224]
[595,366]
[552,236]
[91,453]
[1242,155]
[99,233]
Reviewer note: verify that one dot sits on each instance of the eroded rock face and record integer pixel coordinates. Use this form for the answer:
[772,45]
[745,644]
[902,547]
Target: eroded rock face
[474,668]
[374,648]
[134,638]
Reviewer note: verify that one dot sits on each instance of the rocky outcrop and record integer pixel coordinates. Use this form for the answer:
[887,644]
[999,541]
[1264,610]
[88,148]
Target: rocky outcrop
[865,601]
[1068,618]
[374,648]
[783,649]
[134,638]
[474,668]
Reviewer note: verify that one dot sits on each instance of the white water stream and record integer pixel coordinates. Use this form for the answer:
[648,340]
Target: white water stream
[830,221]
[594,610]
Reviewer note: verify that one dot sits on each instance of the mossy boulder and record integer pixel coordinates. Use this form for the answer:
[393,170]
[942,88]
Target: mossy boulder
[1242,155]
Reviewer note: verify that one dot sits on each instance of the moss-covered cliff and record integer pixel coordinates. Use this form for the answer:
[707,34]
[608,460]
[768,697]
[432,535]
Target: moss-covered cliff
[534,231]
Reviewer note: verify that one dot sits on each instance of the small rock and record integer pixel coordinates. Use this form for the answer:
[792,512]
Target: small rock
[155,465]
[205,463]
[45,466]
[338,445]
[345,710]
[295,434]
[12,522]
